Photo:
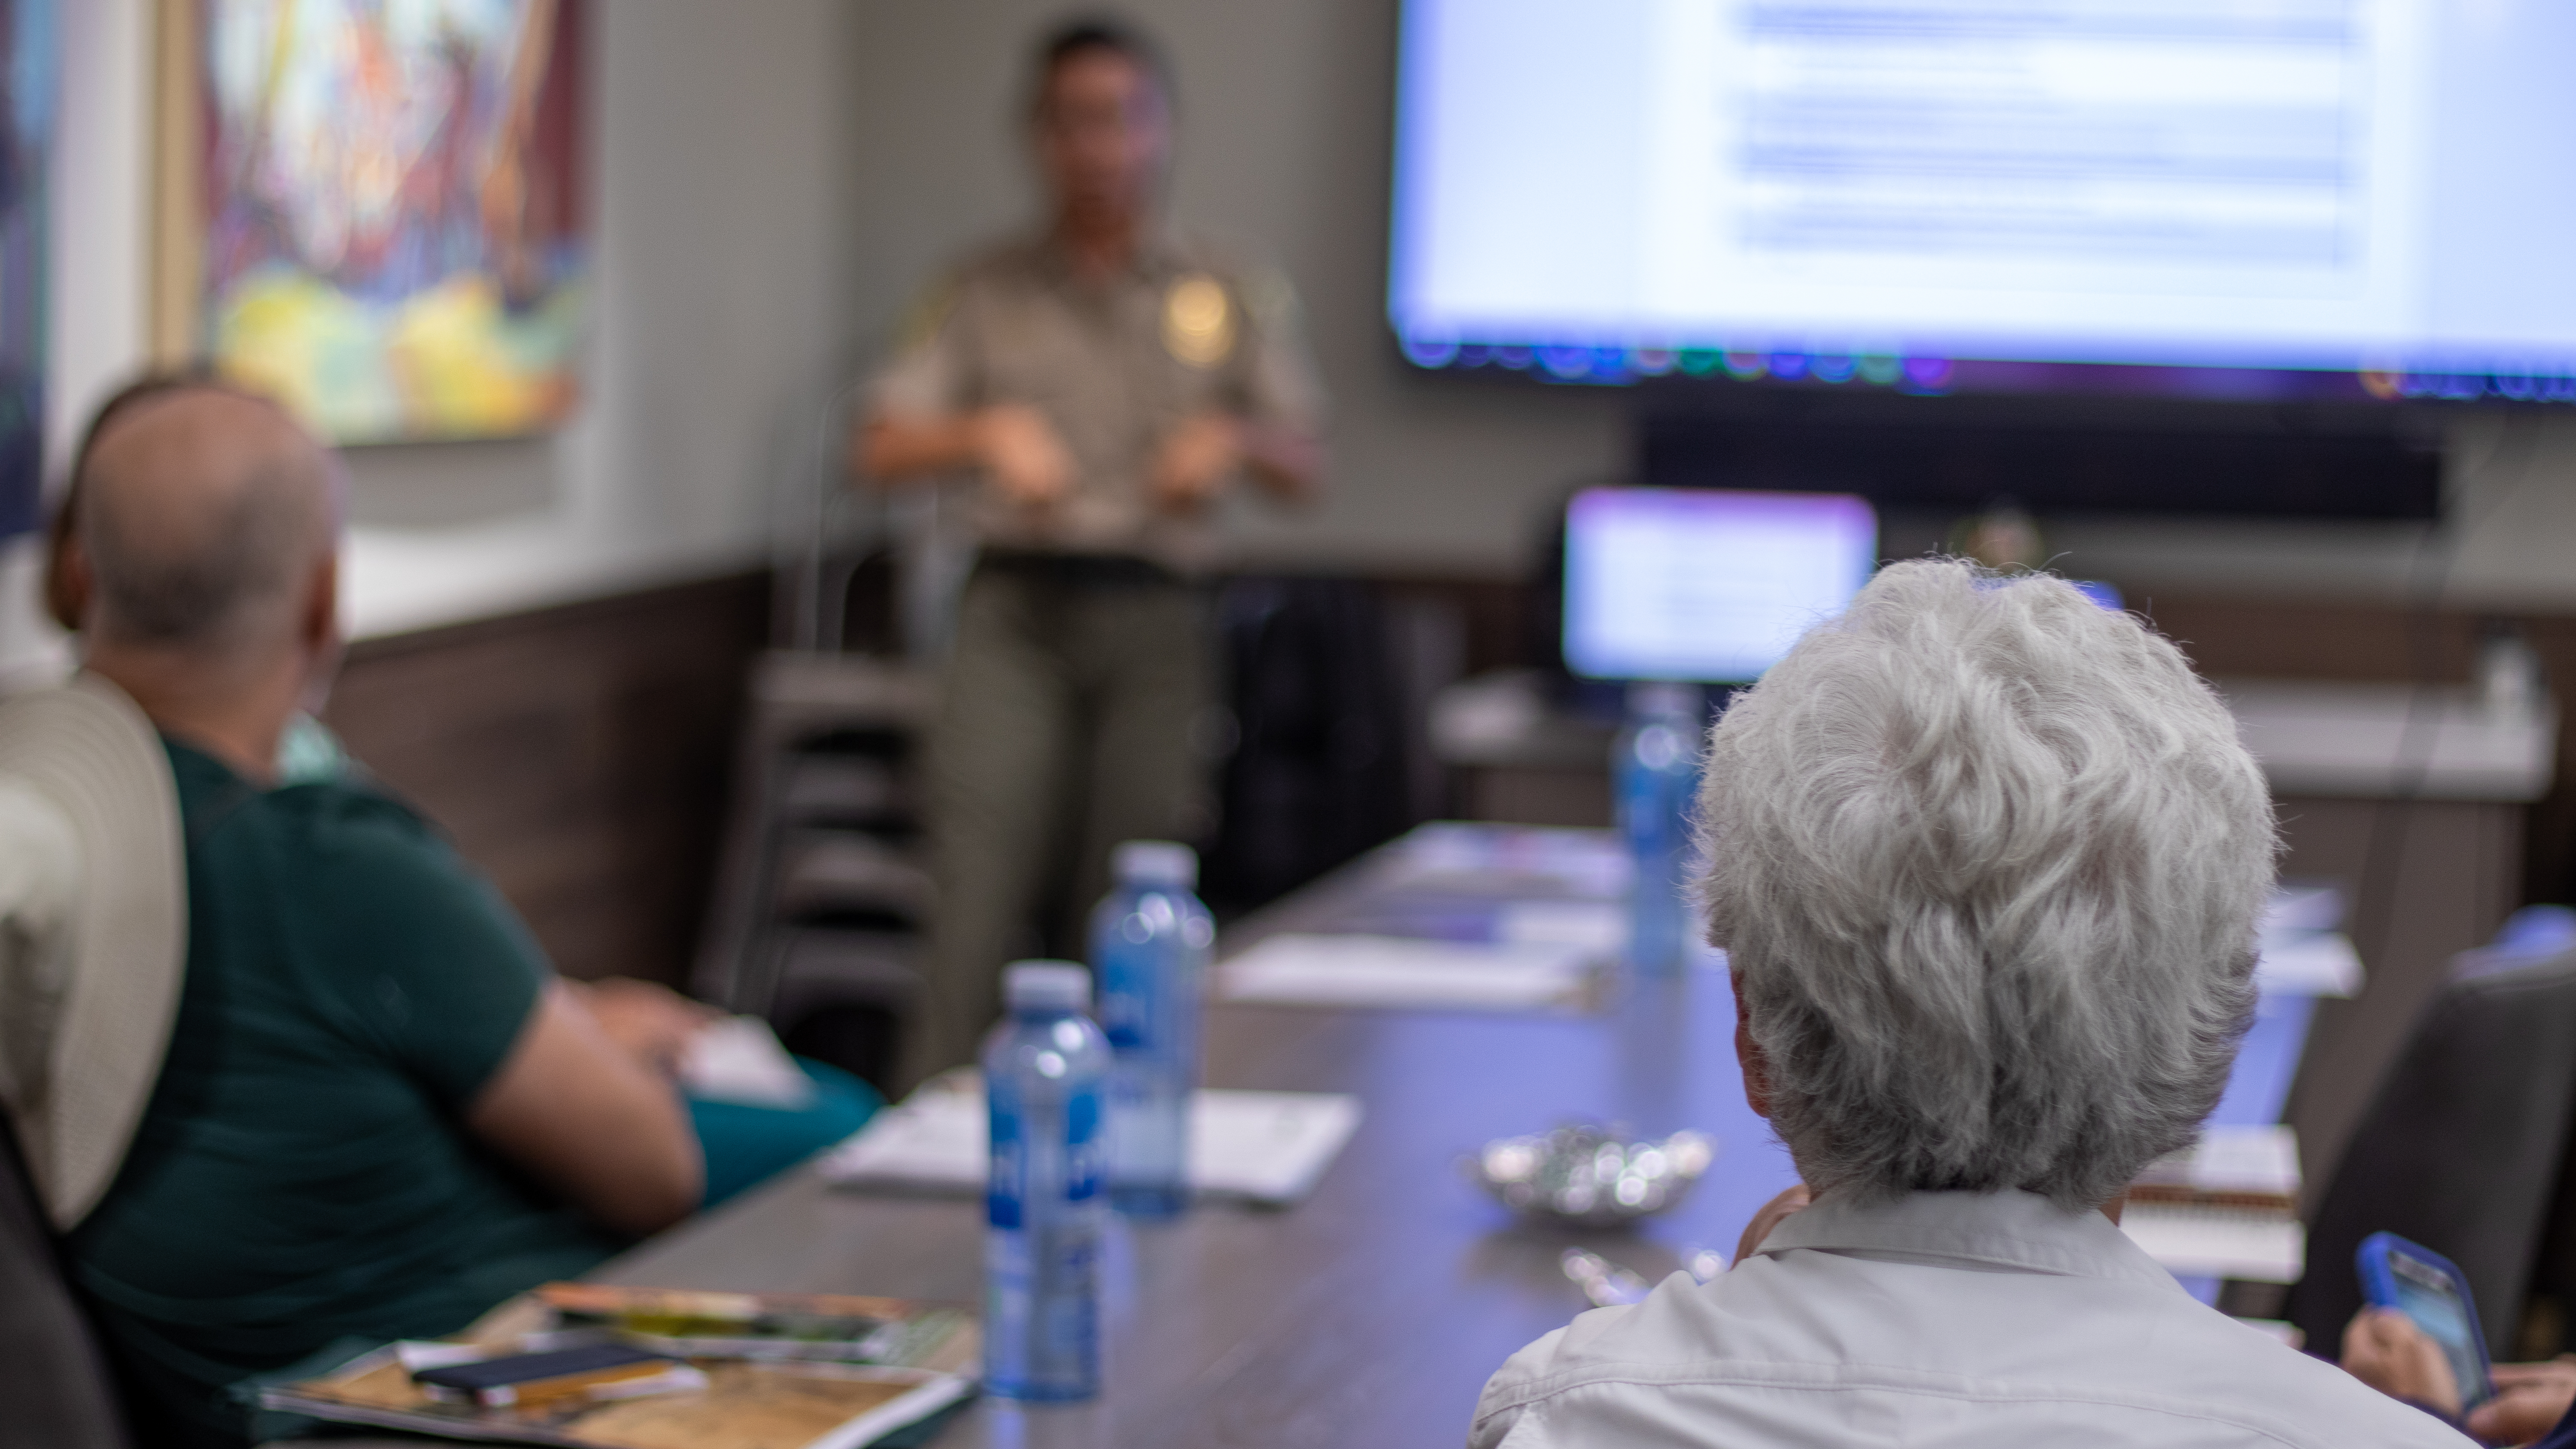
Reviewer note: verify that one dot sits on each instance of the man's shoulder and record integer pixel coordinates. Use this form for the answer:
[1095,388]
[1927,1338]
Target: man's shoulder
[989,273]
[348,815]
[358,820]
[334,845]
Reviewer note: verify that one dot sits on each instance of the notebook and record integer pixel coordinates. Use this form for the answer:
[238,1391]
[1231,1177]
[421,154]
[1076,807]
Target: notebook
[1265,1147]
[1399,971]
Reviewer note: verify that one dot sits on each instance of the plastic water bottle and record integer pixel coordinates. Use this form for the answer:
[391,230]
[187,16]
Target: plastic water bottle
[1656,766]
[1149,947]
[1044,1069]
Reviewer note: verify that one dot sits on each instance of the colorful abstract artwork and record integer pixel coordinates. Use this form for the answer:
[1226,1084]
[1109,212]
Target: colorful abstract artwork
[395,223]
[30,65]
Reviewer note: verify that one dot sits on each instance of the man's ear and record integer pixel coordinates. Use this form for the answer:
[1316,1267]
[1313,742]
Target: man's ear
[319,632]
[1748,1054]
[67,583]
[320,626]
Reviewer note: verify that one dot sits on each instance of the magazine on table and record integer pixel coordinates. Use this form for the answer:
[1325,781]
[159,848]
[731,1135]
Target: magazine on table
[727,1371]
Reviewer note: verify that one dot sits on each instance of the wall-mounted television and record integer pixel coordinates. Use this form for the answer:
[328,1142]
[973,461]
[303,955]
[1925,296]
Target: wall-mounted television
[2293,200]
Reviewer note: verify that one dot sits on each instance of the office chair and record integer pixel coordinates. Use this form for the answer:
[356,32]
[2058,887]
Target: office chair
[53,1378]
[2461,1148]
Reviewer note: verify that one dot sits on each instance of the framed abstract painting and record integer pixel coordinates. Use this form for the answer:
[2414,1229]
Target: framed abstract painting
[393,211]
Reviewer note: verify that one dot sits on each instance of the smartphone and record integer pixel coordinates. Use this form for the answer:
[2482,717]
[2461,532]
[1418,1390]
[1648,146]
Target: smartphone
[2422,1284]
[532,1377]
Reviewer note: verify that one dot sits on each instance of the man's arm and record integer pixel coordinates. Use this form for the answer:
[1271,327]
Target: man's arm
[901,449]
[585,1117]
[1012,443]
[1203,452]
[1288,462]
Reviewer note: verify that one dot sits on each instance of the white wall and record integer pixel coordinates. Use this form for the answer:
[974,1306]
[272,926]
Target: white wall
[776,177]
[720,320]
[96,331]
[1285,133]
[1284,124]
[722,313]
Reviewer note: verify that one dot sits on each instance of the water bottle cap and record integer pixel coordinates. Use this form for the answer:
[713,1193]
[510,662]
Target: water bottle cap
[1046,986]
[1155,863]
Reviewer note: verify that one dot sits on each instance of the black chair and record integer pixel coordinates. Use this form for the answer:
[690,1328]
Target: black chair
[2461,1150]
[1317,772]
[53,1379]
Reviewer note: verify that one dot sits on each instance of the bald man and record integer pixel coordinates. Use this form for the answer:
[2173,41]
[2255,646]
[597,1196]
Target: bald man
[380,1113]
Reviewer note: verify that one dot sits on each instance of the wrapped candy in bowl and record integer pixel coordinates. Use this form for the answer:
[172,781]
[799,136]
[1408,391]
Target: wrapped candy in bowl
[1592,1177]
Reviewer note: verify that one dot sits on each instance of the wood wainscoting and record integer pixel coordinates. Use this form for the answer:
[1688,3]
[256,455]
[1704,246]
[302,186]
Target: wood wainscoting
[577,755]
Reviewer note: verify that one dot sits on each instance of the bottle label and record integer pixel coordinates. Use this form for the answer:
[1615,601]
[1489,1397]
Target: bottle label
[1085,1146]
[1126,995]
[1002,1179]
[1008,1188]
[1133,950]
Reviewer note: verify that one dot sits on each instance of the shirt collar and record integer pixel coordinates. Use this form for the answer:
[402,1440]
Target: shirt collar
[2012,1230]
[1158,254]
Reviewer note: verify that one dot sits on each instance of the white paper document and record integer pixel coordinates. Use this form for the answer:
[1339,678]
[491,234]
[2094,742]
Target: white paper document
[1269,1147]
[2259,1247]
[2235,1158]
[738,1059]
[2305,906]
[1397,971]
[2308,963]
[1596,926]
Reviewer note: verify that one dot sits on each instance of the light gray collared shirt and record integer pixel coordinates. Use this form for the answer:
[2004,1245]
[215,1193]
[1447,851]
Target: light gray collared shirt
[1941,1321]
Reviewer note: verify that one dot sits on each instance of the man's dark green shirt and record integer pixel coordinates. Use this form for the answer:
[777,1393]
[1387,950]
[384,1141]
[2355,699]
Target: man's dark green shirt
[303,1173]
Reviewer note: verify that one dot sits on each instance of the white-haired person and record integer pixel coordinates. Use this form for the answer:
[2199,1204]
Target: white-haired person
[1986,859]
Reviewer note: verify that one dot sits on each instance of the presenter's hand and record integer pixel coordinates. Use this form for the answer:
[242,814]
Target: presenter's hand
[1195,462]
[652,1023]
[2529,1401]
[1023,456]
[2384,1349]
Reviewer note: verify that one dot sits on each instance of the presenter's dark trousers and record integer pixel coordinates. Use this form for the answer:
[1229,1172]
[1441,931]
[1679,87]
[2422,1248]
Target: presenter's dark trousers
[1070,720]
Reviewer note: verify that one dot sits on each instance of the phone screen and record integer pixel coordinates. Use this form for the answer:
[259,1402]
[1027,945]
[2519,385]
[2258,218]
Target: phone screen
[2427,1295]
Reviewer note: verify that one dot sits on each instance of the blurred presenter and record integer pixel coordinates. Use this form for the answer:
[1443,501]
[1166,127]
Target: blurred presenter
[1104,382]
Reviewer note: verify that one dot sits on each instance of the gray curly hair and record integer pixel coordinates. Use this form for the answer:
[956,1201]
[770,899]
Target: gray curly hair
[1986,859]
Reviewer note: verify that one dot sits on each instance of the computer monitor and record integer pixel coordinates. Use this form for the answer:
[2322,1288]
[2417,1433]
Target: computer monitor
[2332,200]
[1705,585]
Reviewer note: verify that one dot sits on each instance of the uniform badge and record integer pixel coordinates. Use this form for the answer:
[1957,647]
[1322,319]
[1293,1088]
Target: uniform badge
[1198,321]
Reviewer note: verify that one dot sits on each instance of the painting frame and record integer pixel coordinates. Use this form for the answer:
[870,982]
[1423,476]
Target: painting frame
[377,211]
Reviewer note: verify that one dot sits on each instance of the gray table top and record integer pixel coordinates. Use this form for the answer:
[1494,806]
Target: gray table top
[1371,1313]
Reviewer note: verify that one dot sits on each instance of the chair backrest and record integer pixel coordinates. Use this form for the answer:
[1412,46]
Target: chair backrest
[53,1379]
[1317,773]
[2460,1150]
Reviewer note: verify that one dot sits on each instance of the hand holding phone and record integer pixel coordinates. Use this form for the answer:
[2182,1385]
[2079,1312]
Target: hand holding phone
[2422,1285]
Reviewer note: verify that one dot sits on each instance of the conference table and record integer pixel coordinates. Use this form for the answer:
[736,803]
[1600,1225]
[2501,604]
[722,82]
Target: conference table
[1372,1312]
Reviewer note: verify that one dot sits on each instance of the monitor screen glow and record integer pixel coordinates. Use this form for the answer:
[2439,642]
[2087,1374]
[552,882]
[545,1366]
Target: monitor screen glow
[1705,585]
[2361,199]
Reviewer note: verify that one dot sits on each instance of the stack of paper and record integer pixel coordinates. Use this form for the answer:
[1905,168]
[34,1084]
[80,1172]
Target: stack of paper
[2244,1164]
[2199,1242]
[2303,954]
[1269,1147]
[738,1059]
[1484,859]
[2308,963]
[2227,1208]
[1397,971]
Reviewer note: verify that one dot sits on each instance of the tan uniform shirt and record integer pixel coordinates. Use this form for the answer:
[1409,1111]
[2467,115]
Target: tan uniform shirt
[1115,365]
